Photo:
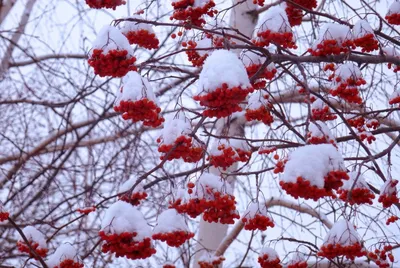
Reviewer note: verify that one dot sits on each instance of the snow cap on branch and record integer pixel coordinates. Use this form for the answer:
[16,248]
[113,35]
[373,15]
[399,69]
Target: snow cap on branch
[34,235]
[62,253]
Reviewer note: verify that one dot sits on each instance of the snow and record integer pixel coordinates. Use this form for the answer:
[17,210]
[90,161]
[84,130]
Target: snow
[110,38]
[255,208]
[347,70]
[63,252]
[170,221]
[394,8]
[390,51]
[297,258]
[211,181]
[275,20]
[200,3]
[333,31]
[132,26]
[175,127]
[394,95]
[222,66]
[313,163]
[256,100]
[361,183]
[270,252]
[122,217]
[362,28]
[342,233]
[33,235]
[387,188]
[250,58]
[318,104]
[234,143]
[320,129]
[135,87]
[202,44]
[126,186]
[181,193]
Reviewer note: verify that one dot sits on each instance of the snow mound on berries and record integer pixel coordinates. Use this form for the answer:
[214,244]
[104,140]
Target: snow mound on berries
[132,26]
[34,235]
[222,66]
[360,183]
[174,128]
[298,257]
[213,182]
[318,104]
[333,31]
[250,57]
[361,28]
[126,186]
[234,143]
[347,70]
[394,96]
[394,8]
[320,129]
[170,221]
[387,188]
[272,254]
[342,233]
[313,163]
[256,100]
[63,252]
[122,217]
[254,209]
[274,19]
[110,38]
[135,87]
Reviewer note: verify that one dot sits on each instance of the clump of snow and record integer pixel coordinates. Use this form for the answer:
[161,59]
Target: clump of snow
[320,129]
[254,209]
[204,46]
[63,252]
[175,127]
[252,58]
[200,3]
[110,38]
[348,70]
[34,235]
[313,163]
[133,26]
[122,217]
[387,188]
[274,19]
[333,31]
[394,8]
[135,87]
[318,104]
[342,233]
[362,28]
[257,100]
[170,221]
[222,66]
[298,257]
[356,179]
[270,252]
[394,96]
[213,182]
[126,186]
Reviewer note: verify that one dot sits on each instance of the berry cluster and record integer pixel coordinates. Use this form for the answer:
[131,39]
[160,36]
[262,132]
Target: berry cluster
[258,222]
[229,156]
[331,251]
[183,148]
[381,257]
[68,263]
[212,263]
[393,18]
[265,262]
[368,43]
[86,210]
[333,180]
[366,136]
[184,10]
[357,122]
[169,266]
[284,39]
[302,188]
[142,110]
[295,14]
[143,38]
[319,139]
[223,101]
[323,114]
[357,196]
[97,4]
[267,73]
[390,197]
[301,264]
[262,114]
[280,166]
[22,247]
[266,150]
[116,63]
[331,47]
[124,245]
[4,215]
[134,199]
[394,100]
[259,2]
[194,56]
[373,123]
[348,90]
[175,238]
[392,219]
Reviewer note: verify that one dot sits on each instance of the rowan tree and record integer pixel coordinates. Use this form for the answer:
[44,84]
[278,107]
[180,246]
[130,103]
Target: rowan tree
[199,133]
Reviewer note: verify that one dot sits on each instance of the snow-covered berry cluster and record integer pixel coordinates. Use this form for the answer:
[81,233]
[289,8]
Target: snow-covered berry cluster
[364,36]
[395,97]
[125,232]
[97,4]
[275,28]
[393,14]
[256,218]
[137,102]
[4,214]
[298,261]
[388,193]
[319,133]
[268,258]
[192,12]
[210,261]
[356,190]
[333,39]
[225,153]
[259,108]
[141,34]
[36,241]
[342,240]
[64,257]
[195,51]
[320,111]
[133,197]
[254,66]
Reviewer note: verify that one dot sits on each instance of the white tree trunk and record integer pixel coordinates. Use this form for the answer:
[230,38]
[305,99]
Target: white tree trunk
[210,235]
